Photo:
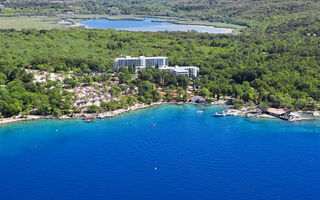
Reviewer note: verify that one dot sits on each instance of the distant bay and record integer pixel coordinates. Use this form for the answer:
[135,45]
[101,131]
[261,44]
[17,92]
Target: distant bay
[150,25]
[165,152]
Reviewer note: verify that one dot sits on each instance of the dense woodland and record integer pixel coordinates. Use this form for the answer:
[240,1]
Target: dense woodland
[274,62]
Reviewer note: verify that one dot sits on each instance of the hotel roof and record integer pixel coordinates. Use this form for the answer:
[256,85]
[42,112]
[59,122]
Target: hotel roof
[140,57]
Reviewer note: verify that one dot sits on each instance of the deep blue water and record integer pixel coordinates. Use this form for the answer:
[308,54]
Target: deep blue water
[167,152]
[149,24]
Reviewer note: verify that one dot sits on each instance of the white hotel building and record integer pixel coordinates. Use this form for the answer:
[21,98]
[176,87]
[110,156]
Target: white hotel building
[141,62]
[162,62]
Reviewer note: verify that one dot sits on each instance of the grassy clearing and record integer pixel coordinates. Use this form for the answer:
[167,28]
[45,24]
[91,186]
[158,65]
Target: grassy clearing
[205,23]
[19,23]
[236,28]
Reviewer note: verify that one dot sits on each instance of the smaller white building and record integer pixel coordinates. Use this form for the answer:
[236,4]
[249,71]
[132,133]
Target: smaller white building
[189,71]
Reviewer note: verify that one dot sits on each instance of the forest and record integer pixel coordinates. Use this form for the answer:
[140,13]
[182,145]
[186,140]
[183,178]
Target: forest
[274,62]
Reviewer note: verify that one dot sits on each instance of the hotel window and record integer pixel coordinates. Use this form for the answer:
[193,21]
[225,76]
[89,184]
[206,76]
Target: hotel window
[166,61]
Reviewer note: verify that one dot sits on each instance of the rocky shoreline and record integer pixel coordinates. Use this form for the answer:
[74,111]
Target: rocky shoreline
[257,113]
[85,116]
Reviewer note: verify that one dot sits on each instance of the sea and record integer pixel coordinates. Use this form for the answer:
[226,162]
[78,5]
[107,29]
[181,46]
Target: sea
[166,152]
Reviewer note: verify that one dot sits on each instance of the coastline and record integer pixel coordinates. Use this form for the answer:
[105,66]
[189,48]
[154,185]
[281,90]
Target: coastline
[257,113]
[83,116]
[115,113]
[102,115]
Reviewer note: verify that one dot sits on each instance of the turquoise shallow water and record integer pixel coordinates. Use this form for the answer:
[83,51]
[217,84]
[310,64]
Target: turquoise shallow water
[167,152]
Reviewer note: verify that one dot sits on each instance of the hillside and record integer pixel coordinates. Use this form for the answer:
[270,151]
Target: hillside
[274,62]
